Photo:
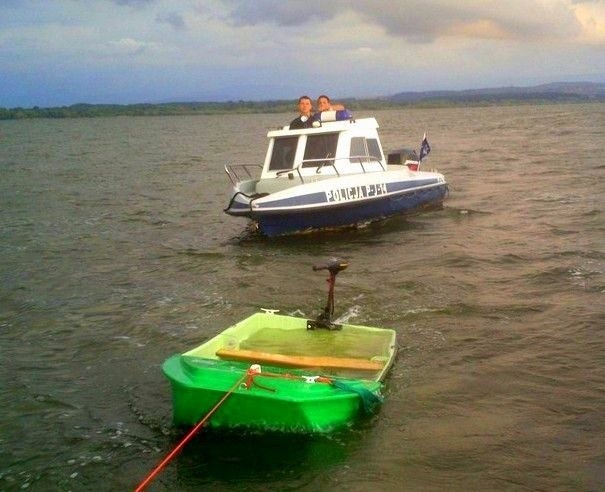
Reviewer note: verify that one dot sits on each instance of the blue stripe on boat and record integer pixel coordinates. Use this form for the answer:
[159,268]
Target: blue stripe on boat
[406,185]
[310,199]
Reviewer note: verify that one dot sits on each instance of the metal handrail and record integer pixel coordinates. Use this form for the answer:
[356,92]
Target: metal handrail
[331,162]
[367,158]
[232,171]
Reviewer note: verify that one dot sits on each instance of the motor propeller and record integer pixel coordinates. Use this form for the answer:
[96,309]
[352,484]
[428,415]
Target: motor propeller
[324,320]
[334,265]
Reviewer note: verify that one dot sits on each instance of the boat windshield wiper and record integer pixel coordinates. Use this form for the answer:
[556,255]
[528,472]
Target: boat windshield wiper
[324,163]
[324,320]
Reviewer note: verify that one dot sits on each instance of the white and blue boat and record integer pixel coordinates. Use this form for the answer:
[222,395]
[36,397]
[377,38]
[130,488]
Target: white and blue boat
[330,176]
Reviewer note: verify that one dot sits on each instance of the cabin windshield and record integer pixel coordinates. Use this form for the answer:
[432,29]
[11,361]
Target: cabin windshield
[374,148]
[283,153]
[321,146]
[365,149]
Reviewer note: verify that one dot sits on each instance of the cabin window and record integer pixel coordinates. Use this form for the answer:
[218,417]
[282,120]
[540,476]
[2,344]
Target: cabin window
[374,148]
[321,147]
[284,150]
[365,150]
[358,149]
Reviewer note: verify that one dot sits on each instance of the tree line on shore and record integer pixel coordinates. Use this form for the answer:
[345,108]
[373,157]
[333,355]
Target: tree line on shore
[280,106]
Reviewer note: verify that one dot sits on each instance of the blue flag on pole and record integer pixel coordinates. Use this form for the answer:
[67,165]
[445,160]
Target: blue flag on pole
[425,148]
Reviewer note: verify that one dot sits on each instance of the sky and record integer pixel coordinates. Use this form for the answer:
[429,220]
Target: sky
[62,52]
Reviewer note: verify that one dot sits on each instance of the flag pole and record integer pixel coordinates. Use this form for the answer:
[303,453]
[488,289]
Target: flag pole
[425,148]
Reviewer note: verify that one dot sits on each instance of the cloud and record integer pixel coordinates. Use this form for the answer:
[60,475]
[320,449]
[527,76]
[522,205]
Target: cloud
[282,13]
[173,19]
[591,16]
[419,21]
[125,47]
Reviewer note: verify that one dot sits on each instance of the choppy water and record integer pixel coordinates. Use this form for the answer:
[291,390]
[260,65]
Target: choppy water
[115,254]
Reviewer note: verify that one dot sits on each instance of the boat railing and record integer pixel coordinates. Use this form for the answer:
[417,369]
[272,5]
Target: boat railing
[362,160]
[236,172]
[367,159]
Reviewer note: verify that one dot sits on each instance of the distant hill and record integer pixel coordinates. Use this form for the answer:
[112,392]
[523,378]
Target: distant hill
[558,91]
[561,92]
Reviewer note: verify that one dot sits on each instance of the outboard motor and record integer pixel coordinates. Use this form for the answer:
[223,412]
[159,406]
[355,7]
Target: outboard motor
[324,320]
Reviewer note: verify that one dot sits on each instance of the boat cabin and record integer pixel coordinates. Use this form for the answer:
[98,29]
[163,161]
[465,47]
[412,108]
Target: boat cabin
[332,149]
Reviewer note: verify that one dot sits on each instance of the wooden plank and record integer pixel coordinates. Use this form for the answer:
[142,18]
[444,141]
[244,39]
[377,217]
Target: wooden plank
[299,360]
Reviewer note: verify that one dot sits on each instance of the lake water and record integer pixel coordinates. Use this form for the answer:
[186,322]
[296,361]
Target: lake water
[116,254]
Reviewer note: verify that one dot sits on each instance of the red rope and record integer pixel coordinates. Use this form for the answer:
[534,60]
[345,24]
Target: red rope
[249,377]
[187,438]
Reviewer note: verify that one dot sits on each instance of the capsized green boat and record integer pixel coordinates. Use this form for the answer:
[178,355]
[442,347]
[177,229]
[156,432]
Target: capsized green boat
[295,379]
[283,373]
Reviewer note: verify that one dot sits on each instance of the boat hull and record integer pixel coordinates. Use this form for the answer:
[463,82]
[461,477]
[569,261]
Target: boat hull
[350,214]
[270,404]
[281,398]
[337,201]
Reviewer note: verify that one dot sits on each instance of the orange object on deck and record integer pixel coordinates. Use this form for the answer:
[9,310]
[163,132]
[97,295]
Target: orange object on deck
[299,360]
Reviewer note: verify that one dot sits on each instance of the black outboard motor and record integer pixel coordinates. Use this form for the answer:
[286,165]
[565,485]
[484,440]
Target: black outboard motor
[324,320]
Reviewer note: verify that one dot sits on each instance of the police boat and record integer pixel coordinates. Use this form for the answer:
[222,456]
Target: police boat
[330,176]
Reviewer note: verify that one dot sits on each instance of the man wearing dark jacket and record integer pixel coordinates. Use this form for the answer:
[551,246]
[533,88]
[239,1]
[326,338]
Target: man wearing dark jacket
[304,120]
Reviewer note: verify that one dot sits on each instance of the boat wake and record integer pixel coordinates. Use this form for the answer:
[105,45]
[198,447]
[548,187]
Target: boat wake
[351,313]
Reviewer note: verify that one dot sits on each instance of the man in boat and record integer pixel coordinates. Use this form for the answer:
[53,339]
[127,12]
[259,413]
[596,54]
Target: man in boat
[324,104]
[305,119]
[337,112]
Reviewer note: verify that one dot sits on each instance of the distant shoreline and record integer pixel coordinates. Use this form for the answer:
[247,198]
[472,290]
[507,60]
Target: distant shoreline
[251,107]
[551,93]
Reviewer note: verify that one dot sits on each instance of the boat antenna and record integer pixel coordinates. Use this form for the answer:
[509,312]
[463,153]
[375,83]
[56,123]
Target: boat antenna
[324,320]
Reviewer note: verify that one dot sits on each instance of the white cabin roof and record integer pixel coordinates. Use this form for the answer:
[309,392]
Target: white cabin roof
[329,126]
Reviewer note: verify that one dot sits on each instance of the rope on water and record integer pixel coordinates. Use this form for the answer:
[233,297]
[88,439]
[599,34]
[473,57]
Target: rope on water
[188,437]
[369,403]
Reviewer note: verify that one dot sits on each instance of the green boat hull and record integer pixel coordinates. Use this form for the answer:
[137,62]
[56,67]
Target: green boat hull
[283,397]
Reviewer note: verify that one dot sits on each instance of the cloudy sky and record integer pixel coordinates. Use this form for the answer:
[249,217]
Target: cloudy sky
[60,52]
